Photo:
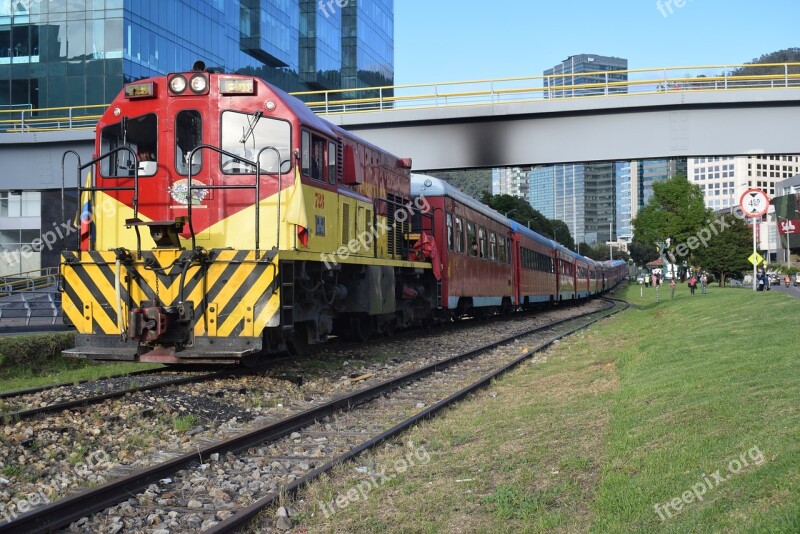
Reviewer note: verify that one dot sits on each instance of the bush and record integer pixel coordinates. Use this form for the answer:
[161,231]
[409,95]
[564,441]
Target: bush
[36,353]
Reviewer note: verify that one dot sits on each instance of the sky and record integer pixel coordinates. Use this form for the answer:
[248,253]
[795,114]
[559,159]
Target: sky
[449,40]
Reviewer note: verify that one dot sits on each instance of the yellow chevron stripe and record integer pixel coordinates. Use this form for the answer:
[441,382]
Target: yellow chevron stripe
[269,311]
[229,291]
[102,318]
[249,300]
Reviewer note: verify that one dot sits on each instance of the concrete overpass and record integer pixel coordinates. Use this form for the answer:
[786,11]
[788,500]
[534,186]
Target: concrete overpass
[618,128]
[656,113]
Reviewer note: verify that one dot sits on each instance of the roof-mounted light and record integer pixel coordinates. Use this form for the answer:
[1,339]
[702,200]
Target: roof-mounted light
[140,90]
[237,86]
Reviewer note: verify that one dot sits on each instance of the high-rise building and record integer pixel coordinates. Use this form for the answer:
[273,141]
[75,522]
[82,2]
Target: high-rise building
[573,71]
[627,198]
[73,53]
[581,194]
[724,179]
[510,181]
[651,171]
[63,53]
[541,190]
[600,202]
[634,183]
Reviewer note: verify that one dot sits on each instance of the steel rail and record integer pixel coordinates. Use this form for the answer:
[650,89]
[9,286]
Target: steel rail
[241,518]
[86,401]
[64,511]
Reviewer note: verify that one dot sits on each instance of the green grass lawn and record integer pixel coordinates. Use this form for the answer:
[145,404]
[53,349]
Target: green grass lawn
[35,360]
[681,416]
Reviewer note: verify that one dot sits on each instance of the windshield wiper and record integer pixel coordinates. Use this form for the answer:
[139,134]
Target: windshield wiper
[252,126]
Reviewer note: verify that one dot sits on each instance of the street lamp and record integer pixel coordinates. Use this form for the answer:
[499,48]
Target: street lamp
[528,224]
[510,211]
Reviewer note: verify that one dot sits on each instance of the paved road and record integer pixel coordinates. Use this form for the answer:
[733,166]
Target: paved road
[792,289]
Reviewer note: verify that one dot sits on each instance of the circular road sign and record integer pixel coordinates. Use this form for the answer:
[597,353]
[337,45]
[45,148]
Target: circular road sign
[754,203]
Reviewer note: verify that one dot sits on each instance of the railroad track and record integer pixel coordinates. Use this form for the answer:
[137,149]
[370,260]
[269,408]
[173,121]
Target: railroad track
[102,390]
[221,487]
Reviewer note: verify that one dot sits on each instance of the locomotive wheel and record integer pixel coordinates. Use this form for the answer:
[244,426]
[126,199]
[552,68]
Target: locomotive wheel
[361,327]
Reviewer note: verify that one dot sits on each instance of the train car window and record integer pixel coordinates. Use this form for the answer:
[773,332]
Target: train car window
[313,158]
[501,249]
[459,236]
[449,231]
[492,246]
[472,239]
[482,240]
[138,133]
[331,163]
[251,136]
[188,135]
[305,158]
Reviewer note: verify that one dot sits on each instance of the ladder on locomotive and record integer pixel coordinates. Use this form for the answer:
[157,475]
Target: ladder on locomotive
[287,295]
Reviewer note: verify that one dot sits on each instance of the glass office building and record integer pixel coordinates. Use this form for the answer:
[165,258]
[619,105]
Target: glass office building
[541,190]
[574,71]
[61,53]
[71,53]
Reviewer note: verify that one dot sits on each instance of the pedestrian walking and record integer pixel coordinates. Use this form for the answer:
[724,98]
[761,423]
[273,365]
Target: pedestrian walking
[703,283]
[672,288]
[692,284]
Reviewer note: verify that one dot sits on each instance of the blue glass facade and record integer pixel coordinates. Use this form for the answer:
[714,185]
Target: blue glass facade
[80,52]
[625,174]
[560,77]
[541,190]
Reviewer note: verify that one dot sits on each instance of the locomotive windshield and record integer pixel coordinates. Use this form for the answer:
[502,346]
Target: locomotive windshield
[140,134]
[246,135]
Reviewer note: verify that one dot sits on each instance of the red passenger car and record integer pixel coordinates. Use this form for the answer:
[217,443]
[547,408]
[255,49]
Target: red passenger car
[535,265]
[475,248]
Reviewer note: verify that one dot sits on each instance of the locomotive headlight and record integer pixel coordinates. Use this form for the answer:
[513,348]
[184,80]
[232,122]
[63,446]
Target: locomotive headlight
[177,84]
[198,84]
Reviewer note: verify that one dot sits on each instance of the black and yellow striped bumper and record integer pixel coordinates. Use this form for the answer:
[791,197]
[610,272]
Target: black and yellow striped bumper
[230,297]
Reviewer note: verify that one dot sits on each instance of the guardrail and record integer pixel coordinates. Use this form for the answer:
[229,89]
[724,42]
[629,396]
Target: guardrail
[603,84]
[30,296]
[28,281]
[50,119]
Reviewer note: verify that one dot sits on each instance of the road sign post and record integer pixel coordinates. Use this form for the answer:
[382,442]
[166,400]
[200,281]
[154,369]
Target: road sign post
[754,204]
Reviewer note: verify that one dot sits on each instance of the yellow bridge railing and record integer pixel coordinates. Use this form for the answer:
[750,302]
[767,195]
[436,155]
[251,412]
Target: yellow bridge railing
[601,84]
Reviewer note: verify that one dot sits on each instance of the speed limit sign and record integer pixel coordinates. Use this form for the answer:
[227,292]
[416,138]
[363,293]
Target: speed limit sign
[754,203]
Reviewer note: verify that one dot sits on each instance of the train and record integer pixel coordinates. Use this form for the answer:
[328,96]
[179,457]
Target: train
[223,222]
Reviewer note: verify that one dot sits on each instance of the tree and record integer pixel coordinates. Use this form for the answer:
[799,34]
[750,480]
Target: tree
[788,55]
[520,210]
[642,254]
[726,252]
[475,182]
[561,233]
[675,213]
[600,252]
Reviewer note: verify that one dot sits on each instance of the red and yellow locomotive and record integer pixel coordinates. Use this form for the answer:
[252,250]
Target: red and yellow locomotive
[229,221]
